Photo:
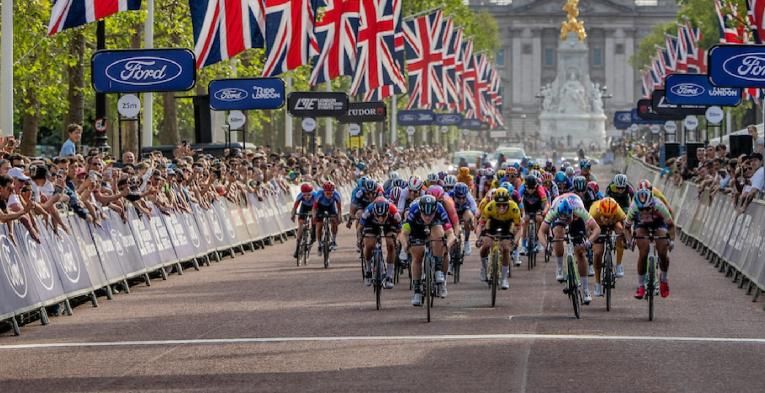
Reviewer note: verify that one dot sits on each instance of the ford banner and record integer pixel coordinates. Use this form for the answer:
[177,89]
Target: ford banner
[246,93]
[695,89]
[448,119]
[416,117]
[474,124]
[622,120]
[737,65]
[143,70]
[364,112]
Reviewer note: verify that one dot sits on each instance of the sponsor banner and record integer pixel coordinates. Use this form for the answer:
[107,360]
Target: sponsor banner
[737,65]
[67,260]
[645,111]
[178,236]
[695,89]
[162,238]
[317,104]
[139,225]
[91,262]
[43,275]
[16,288]
[111,260]
[660,105]
[473,124]
[416,117]
[753,266]
[223,215]
[622,120]
[205,230]
[449,119]
[143,70]
[193,234]
[246,93]
[216,229]
[637,119]
[236,216]
[365,112]
[125,245]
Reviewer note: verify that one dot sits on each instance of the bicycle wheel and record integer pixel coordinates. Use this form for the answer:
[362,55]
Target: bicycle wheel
[378,277]
[573,285]
[494,277]
[530,245]
[301,251]
[608,278]
[428,284]
[650,286]
[548,251]
[327,241]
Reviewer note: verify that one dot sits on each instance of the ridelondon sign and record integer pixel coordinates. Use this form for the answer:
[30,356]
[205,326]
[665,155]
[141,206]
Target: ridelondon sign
[695,89]
[364,112]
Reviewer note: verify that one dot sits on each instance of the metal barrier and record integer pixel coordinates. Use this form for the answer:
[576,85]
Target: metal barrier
[730,240]
[89,258]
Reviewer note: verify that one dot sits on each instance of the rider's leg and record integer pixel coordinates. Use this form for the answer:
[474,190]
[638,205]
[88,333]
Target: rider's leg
[597,257]
[390,253]
[559,232]
[662,248]
[642,245]
[506,246]
[619,250]
[417,254]
[580,253]
[524,230]
[335,223]
[436,237]
[319,229]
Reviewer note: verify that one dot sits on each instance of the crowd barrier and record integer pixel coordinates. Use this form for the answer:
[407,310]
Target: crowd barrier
[89,258]
[731,240]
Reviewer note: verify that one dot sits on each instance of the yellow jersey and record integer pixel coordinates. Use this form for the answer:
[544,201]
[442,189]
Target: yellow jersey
[491,212]
[602,221]
[660,195]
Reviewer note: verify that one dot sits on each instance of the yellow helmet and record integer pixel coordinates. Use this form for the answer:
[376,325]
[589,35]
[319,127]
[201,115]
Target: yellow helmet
[501,196]
[608,207]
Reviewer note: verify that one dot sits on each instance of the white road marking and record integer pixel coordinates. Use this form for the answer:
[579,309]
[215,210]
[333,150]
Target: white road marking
[445,337]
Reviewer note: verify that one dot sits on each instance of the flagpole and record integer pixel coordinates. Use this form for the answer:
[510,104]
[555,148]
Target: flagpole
[393,120]
[328,132]
[6,70]
[410,17]
[287,117]
[147,133]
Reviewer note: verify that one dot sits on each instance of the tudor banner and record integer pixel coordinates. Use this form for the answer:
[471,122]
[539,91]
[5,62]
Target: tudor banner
[364,112]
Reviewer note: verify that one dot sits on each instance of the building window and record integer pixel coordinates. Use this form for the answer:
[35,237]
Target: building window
[597,57]
[500,60]
[526,49]
[619,49]
[549,57]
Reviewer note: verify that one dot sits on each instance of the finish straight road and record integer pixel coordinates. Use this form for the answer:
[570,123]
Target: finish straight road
[258,323]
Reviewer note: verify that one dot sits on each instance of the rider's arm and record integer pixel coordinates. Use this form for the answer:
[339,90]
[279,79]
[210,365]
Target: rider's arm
[593,229]
[338,202]
[471,204]
[402,199]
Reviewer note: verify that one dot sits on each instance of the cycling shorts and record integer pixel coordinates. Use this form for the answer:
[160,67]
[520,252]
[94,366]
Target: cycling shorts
[321,210]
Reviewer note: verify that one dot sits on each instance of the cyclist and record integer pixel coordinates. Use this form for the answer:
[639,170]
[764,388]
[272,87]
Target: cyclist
[581,190]
[570,173]
[414,190]
[381,213]
[361,198]
[327,201]
[563,183]
[500,216]
[594,187]
[395,195]
[622,192]
[549,166]
[645,184]
[485,185]
[513,178]
[433,180]
[647,213]
[449,183]
[388,184]
[466,210]
[534,201]
[451,210]
[304,200]
[568,212]
[610,217]
[550,187]
[424,213]
[584,170]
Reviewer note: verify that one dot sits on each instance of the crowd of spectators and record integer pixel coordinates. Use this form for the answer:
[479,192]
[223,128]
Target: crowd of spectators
[40,190]
[715,170]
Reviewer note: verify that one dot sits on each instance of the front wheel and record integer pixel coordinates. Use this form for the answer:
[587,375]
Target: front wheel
[428,285]
[378,278]
[651,286]
[494,277]
[608,279]
[327,242]
[573,286]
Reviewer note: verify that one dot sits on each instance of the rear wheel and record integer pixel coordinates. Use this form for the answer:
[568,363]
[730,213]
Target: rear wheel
[573,286]
[548,251]
[494,277]
[651,287]
[531,245]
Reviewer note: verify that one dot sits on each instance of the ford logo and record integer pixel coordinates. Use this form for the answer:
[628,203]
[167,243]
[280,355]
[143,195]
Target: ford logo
[625,117]
[451,118]
[747,66]
[231,94]
[688,90]
[143,71]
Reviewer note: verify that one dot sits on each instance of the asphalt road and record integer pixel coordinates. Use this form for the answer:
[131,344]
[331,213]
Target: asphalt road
[258,323]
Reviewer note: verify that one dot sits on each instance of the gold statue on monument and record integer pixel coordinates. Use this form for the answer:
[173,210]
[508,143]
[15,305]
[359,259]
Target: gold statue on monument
[572,25]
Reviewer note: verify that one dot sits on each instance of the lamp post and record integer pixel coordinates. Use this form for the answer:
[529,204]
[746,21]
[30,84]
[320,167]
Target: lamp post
[523,130]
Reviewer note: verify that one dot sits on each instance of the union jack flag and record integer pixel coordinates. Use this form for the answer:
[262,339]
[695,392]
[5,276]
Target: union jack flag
[67,14]
[290,41]
[729,32]
[756,13]
[399,84]
[376,64]
[690,46]
[336,35]
[451,83]
[424,60]
[225,28]
[468,76]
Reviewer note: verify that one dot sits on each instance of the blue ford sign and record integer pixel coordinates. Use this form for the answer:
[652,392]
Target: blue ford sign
[420,117]
[143,70]
[448,119]
[737,65]
[247,93]
[695,89]
[622,120]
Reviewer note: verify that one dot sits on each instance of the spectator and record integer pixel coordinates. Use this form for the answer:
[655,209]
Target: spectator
[69,148]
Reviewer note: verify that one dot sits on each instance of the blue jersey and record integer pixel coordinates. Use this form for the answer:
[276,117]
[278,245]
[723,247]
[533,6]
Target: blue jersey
[362,198]
[303,202]
[467,204]
[322,200]
[413,217]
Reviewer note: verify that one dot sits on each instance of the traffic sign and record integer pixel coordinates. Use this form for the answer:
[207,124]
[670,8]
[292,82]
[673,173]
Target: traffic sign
[129,106]
[354,129]
[714,115]
[691,122]
[309,124]
[236,120]
[410,130]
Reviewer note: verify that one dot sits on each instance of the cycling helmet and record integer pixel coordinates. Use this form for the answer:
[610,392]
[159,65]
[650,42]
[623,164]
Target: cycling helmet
[531,182]
[570,171]
[535,173]
[500,174]
[450,181]
[535,165]
[564,208]
[461,190]
[362,180]
[415,183]
[593,186]
[524,161]
[501,196]
[442,175]
[620,180]
[584,164]
[395,194]
[489,172]
[644,199]
[548,163]
[436,191]
[580,184]
[645,185]
[560,177]
[432,178]
[517,165]
[505,165]
[305,188]
[380,207]
[464,171]
[394,175]
[428,205]
[328,187]
[547,177]
[506,185]
[399,183]
[608,207]
[482,172]
[511,171]
[370,186]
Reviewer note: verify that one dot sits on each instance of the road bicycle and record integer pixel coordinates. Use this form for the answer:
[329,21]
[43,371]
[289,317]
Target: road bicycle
[304,245]
[326,237]
[379,271]
[572,288]
[531,241]
[430,288]
[495,262]
[652,268]
[607,273]
[456,257]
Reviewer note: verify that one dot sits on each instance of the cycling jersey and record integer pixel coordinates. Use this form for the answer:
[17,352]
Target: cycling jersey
[451,210]
[491,214]
[656,217]
[370,222]
[535,200]
[467,179]
[414,225]
[575,202]
[325,204]
[552,191]
[622,197]
[467,204]
[305,204]
[361,198]
[660,195]
[406,198]
[602,221]
[588,198]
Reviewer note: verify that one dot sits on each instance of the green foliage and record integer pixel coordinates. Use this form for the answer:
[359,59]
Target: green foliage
[482,27]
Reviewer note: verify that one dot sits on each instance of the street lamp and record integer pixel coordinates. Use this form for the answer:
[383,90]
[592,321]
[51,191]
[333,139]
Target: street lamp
[523,130]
